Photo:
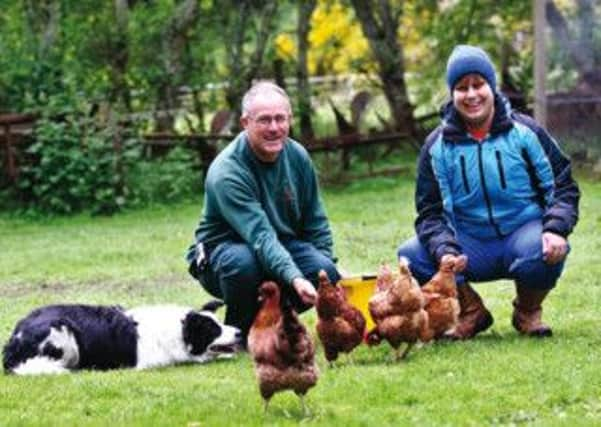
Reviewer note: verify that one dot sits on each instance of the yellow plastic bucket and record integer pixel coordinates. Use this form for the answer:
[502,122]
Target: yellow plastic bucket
[359,290]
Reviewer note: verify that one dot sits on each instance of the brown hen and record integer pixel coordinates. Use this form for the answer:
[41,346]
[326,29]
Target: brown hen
[441,301]
[340,326]
[397,308]
[283,352]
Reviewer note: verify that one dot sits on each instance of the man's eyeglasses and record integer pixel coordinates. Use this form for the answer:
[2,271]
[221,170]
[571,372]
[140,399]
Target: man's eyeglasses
[279,119]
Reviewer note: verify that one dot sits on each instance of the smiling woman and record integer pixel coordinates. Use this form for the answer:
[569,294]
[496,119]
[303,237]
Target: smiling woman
[490,223]
[474,100]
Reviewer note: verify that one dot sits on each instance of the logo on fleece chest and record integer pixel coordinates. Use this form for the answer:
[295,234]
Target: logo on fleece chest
[287,200]
[280,195]
[288,195]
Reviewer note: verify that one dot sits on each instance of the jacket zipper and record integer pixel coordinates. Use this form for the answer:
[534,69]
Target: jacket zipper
[466,184]
[501,171]
[485,192]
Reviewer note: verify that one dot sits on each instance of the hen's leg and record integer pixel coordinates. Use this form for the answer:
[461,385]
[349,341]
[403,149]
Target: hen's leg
[303,405]
[331,356]
[350,359]
[405,352]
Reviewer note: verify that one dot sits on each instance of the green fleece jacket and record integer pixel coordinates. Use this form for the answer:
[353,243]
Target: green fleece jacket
[263,204]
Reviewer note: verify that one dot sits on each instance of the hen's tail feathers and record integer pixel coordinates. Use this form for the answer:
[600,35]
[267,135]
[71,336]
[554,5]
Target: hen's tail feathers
[384,277]
[404,266]
[296,347]
[447,265]
[292,326]
[323,278]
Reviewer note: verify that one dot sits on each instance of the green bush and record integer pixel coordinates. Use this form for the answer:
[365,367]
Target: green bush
[71,166]
[168,179]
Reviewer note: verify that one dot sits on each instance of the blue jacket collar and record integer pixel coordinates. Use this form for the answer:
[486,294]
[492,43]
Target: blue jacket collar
[453,128]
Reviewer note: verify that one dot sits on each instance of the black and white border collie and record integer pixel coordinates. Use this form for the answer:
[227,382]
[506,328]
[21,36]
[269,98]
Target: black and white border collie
[61,338]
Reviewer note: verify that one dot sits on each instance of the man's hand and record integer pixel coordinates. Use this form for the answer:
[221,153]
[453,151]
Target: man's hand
[555,248]
[305,290]
[459,261]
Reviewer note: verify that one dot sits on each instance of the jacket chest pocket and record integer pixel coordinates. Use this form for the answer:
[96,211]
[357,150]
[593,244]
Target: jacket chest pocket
[501,170]
[473,171]
[464,179]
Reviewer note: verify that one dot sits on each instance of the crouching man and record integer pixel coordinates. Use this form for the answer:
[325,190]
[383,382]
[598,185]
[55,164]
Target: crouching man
[262,217]
[495,193]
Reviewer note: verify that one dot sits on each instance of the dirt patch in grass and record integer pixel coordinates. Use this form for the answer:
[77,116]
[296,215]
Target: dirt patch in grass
[54,288]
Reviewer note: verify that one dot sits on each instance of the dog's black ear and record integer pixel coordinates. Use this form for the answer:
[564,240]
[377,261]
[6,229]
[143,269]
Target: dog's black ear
[199,331]
[212,305]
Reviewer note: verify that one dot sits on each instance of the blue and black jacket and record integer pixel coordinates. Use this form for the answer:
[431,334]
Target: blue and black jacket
[488,189]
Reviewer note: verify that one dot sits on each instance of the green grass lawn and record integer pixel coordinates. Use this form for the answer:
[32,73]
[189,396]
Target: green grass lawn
[135,258]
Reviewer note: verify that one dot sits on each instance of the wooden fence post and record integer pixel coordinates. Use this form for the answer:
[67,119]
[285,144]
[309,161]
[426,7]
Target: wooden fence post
[9,156]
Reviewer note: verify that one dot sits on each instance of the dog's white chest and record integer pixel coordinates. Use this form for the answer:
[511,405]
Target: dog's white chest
[160,340]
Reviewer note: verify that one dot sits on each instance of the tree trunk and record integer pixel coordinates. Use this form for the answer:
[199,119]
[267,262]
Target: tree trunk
[174,43]
[465,30]
[243,74]
[580,47]
[119,58]
[43,17]
[235,39]
[381,29]
[199,110]
[305,11]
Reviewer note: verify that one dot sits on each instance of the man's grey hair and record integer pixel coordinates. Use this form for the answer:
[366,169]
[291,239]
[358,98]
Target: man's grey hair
[258,89]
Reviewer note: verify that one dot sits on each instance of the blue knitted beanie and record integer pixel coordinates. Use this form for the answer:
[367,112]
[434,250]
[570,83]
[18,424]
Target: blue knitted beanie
[467,59]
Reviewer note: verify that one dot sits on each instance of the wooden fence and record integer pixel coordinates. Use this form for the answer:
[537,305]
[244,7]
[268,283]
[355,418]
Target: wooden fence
[15,130]
[206,146]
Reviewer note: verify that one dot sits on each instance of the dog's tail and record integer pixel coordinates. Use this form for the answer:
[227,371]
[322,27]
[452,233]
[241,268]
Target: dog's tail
[39,365]
[56,354]
[212,305]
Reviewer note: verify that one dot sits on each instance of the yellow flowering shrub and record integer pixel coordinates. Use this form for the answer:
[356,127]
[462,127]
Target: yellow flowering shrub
[415,51]
[337,44]
[285,47]
[336,41]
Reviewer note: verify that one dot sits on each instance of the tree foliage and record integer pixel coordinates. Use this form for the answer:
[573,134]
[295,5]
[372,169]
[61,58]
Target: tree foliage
[164,64]
[380,24]
[73,164]
[576,31]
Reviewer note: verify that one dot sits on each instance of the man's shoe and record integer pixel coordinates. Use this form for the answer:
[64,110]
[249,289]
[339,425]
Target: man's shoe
[473,317]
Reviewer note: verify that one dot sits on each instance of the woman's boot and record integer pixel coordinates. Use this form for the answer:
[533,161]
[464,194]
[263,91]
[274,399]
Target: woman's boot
[527,312]
[473,318]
